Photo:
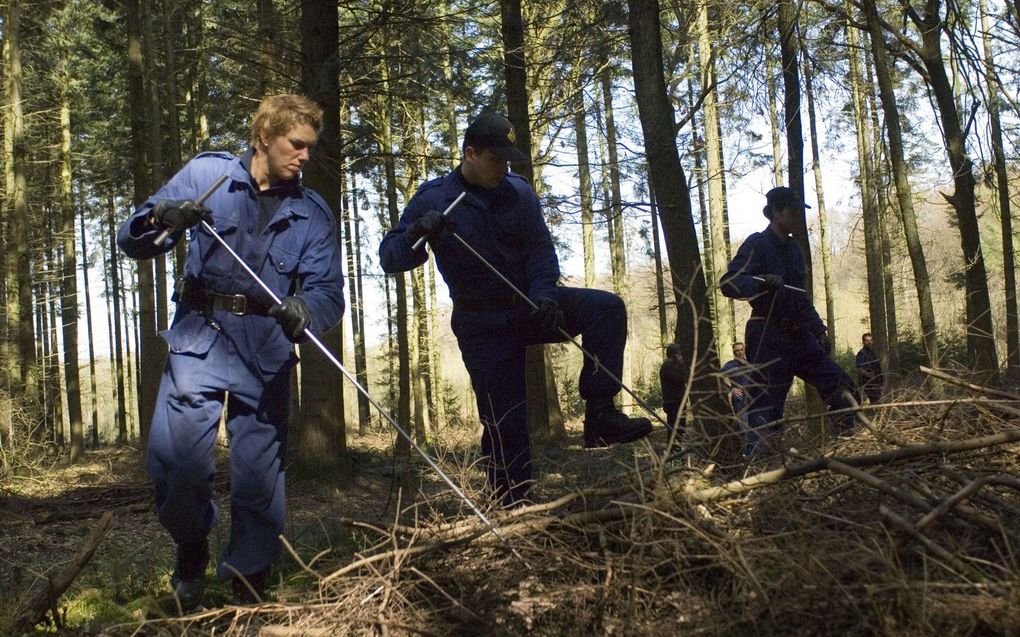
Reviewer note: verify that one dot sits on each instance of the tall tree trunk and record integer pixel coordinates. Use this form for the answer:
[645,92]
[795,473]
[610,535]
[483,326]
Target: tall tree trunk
[883,68]
[323,438]
[618,243]
[690,290]
[660,286]
[1005,207]
[19,296]
[158,174]
[89,335]
[268,31]
[544,415]
[69,290]
[823,224]
[980,331]
[114,292]
[777,149]
[152,351]
[354,269]
[718,257]
[869,206]
[584,188]
[789,47]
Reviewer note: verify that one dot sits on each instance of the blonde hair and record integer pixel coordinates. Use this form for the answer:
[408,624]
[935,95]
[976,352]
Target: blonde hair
[278,114]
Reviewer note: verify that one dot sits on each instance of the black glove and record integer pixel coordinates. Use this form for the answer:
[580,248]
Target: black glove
[771,282]
[429,225]
[180,214]
[549,316]
[293,315]
[824,342]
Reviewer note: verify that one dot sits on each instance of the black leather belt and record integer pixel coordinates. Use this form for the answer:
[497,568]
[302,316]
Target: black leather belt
[493,304]
[207,302]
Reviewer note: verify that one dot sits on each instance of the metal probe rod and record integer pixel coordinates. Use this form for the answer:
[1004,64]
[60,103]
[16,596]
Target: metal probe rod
[161,237]
[788,287]
[347,374]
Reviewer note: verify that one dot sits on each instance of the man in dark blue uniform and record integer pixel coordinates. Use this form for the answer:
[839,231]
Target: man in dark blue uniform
[229,338]
[785,336]
[738,373]
[502,220]
[869,370]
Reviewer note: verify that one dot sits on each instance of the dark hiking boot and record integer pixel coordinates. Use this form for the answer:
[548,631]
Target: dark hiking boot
[609,426]
[251,589]
[188,580]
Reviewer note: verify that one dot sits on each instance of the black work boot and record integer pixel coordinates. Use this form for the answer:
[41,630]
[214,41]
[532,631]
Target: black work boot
[606,425]
[252,592]
[188,579]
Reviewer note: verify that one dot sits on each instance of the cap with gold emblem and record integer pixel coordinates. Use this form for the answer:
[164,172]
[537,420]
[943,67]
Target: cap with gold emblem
[496,133]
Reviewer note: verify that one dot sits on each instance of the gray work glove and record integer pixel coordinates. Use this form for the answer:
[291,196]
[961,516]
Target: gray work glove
[548,316]
[771,282]
[293,316]
[429,225]
[180,214]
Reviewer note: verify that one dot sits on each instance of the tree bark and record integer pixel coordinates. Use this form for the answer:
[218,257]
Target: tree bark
[689,287]
[585,188]
[69,290]
[542,404]
[1005,207]
[717,245]
[980,331]
[883,67]
[322,435]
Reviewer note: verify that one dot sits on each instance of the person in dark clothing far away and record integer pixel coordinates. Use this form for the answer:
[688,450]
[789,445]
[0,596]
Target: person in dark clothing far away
[673,375]
[869,370]
[231,346]
[785,336]
[501,219]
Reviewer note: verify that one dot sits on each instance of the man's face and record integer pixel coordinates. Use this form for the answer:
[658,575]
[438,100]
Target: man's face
[738,351]
[287,154]
[784,220]
[868,341]
[483,167]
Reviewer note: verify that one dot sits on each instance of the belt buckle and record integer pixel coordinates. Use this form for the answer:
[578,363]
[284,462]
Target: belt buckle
[238,304]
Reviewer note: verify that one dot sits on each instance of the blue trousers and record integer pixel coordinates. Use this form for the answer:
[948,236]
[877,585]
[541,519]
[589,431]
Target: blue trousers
[493,346]
[182,436]
[777,355]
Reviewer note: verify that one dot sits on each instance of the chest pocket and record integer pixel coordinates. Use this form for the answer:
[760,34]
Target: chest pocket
[283,260]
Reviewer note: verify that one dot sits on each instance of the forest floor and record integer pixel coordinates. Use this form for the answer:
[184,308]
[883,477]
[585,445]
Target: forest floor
[910,527]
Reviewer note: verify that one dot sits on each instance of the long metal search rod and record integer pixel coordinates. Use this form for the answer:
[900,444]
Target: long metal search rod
[788,287]
[382,410]
[421,240]
[161,237]
[594,359]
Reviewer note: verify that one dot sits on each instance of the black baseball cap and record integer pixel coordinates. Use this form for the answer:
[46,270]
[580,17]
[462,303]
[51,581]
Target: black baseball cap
[781,197]
[496,133]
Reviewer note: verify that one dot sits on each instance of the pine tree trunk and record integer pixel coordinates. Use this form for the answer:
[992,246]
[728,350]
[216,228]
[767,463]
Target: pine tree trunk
[869,206]
[823,225]
[717,245]
[660,287]
[584,188]
[114,292]
[69,290]
[542,404]
[1005,207]
[980,330]
[658,128]
[322,435]
[89,335]
[26,384]
[883,67]
[777,149]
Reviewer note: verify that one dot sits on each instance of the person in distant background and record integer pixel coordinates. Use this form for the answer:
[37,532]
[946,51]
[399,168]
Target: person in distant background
[673,376]
[869,370]
[230,344]
[738,373]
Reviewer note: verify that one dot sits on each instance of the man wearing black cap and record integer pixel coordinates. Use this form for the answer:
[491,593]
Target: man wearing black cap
[785,336]
[501,219]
